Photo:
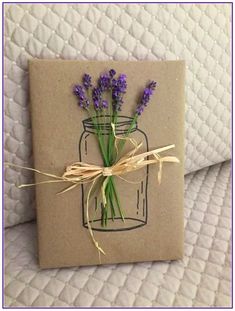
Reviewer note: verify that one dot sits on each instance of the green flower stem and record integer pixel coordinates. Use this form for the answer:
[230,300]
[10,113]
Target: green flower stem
[111,193]
[102,149]
[111,139]
[121,143]
[112,207]
[103,215]
[106,210]
[109,146]
[115,195]
[101,140]
[110,200]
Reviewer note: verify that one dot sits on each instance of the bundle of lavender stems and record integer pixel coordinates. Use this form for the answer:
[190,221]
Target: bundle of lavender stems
[106,100]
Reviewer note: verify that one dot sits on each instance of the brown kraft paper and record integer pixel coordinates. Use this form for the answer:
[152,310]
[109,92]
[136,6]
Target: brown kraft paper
[153,227]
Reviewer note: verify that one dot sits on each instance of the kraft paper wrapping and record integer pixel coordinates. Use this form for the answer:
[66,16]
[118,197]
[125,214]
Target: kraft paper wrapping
[153,229]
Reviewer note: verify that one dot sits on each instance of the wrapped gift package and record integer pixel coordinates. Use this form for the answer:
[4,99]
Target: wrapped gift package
[63,133]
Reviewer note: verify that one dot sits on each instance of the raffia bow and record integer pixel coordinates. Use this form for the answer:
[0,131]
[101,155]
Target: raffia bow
[81,173]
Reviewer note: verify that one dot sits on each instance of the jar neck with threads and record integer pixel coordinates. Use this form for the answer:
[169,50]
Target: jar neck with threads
[103,125]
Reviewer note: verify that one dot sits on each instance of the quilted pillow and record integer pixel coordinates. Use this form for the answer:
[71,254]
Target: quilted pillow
[198,33]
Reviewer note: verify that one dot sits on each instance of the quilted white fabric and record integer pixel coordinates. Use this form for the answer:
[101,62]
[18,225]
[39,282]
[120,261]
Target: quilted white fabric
[201,279]
[198,33]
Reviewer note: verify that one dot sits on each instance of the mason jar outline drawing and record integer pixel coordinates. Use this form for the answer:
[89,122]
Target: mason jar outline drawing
[141,220]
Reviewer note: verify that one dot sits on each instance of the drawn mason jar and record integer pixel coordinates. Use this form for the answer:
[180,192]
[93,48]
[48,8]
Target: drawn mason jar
[132,191]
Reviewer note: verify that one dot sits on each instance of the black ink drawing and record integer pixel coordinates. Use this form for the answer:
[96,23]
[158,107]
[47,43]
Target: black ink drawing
[124,203]
[135,203]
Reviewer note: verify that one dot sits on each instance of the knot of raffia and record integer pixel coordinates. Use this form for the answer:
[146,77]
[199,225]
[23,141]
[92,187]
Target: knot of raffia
[80,172]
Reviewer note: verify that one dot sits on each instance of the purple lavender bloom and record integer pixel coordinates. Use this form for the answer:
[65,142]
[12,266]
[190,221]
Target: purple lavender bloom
[86,80]
[105,104]
[152,85]
[99,103]
[79,91]
[148,91]
[104,82]
[97,98]
[112,73]
[118,90]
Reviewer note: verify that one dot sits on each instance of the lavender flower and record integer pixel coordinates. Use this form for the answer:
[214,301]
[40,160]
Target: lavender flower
[97,98]
[86,81]
[104,82]
[112,73]
[99,104]
[152,85]
[105,104]
[79,91]
[118,89]
[148,91]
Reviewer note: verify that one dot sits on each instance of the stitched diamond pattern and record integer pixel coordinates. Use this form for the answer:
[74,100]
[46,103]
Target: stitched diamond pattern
[200,34]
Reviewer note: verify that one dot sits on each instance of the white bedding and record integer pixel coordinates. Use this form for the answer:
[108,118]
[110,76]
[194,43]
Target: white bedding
[198,33]
[201,279]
